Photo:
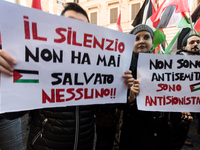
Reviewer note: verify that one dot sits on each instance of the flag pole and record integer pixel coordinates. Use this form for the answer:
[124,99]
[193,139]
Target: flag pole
[193,30]
[166,42]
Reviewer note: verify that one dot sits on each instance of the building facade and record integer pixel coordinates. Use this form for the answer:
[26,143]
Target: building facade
[105,12]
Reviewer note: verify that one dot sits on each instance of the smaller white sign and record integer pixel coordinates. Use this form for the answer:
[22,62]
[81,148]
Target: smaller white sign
[169,83]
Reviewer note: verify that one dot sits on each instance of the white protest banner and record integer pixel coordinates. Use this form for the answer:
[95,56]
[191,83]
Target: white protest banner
[61,61]
[169,83]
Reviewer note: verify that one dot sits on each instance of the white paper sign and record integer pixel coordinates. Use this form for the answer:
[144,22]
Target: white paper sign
[169,83]
[61,61]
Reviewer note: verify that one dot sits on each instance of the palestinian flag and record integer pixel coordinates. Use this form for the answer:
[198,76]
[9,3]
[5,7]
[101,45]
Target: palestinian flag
[25,76]
[171,18]
[196,18]
[159,38]
[195,87]
[143,17]
[197,26]
[173,44]
[196,14]
[181,6]
[176,42]
[147,9]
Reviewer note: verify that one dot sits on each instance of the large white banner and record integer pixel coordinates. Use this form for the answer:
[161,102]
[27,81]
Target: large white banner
[60,61]
[169,83]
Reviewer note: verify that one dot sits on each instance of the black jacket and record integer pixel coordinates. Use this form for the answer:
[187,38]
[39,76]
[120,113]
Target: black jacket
[144,130]
[62,128]
[65,128]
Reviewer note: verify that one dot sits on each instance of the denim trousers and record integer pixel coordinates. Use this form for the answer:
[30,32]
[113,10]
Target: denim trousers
[11,134]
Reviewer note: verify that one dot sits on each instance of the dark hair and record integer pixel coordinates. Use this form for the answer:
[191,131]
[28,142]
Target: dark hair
[75,7]
[186,38]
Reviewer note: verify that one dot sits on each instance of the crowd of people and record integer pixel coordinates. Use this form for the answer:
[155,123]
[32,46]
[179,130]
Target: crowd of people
[74,127]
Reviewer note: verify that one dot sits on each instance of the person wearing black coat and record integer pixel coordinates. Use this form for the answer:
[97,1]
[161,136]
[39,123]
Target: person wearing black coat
[10,131]
[65,128]
[143,130]
[62,128]
[10,134]
[180,122]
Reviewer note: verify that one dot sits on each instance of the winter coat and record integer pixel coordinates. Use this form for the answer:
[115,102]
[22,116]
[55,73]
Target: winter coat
[66,128]
[144,130]
[107,115]
[179,126]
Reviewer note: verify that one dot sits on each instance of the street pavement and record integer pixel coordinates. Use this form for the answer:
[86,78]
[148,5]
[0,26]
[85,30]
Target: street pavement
[193,136]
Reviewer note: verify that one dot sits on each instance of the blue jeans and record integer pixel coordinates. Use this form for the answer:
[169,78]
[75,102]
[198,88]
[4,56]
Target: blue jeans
[11,134]
[198,124]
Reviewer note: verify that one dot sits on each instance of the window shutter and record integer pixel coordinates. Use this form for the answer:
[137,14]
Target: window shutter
[134,10]
[76,1]
[93,17]
[113,15]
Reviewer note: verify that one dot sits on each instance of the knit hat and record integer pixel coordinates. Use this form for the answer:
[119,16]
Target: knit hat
[142,27]
[184,42]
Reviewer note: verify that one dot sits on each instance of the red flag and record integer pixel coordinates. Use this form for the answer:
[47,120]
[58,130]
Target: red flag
[197,26]
[37,4]
[155,4]
[119,26]
[181,6]
[170,18]
[154,7]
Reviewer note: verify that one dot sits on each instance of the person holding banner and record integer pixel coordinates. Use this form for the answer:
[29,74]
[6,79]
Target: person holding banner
[180,122]
[143,130]
[13,140]
[10,134]
[69,127]
[198,130]
[190,45]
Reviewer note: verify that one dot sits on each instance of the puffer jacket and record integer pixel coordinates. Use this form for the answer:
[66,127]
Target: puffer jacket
[66,128]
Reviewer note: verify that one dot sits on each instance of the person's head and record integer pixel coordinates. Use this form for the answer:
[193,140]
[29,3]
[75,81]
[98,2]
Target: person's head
[191,43]
[73,10]
[144,38]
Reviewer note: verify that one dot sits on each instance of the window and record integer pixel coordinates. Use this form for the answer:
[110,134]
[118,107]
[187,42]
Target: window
[59,3]
[93,17]
[76,1]
[134,10]
[113,15]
